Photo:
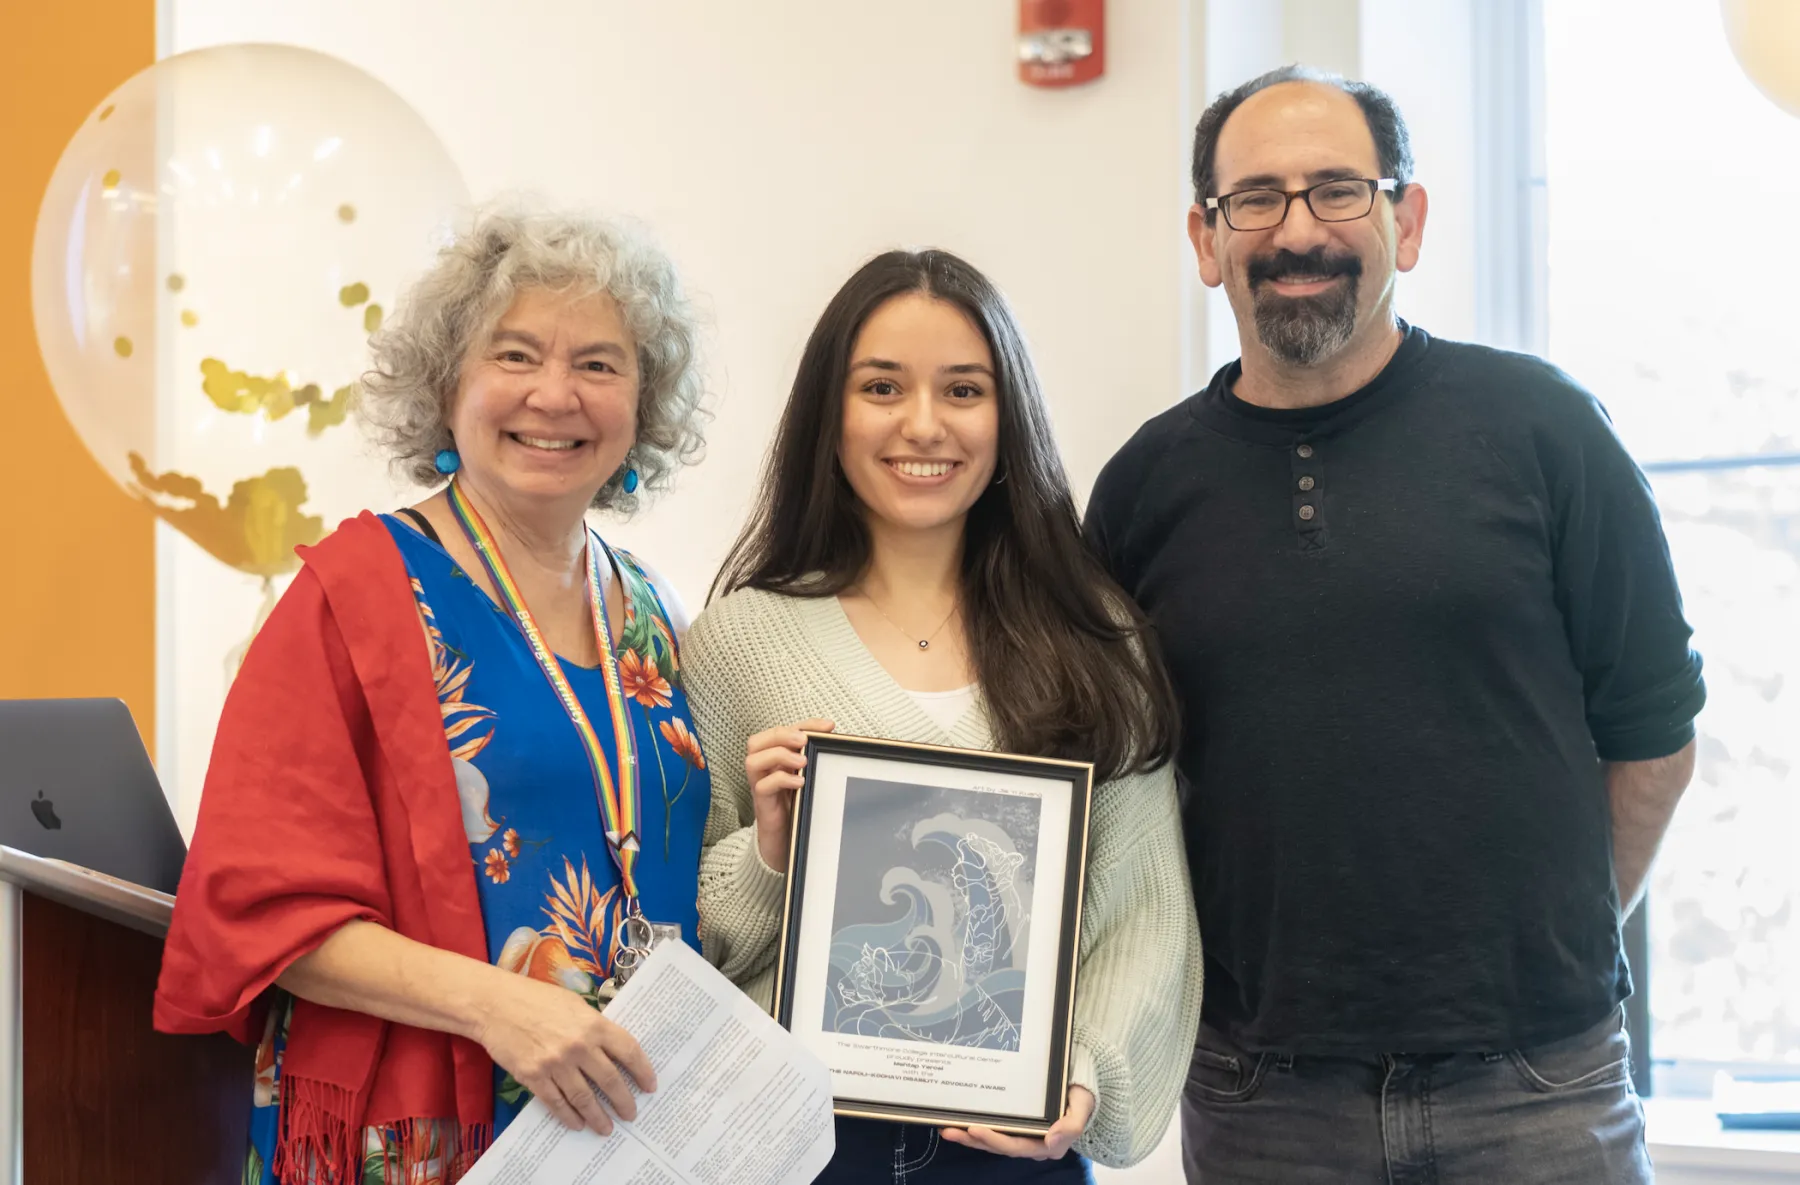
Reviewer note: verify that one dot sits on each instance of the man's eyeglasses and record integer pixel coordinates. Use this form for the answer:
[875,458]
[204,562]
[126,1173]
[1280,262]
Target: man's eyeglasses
[1343,199]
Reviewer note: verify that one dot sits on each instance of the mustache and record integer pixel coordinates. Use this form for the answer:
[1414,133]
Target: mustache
[1290,263]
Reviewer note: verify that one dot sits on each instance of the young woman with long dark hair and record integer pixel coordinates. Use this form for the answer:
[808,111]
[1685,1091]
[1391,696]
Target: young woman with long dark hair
[914,569]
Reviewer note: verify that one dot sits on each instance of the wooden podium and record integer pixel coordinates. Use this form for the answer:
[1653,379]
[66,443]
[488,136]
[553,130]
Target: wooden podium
[89,1093]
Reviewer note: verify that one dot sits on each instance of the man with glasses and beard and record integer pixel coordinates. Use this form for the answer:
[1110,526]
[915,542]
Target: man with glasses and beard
[1438,690]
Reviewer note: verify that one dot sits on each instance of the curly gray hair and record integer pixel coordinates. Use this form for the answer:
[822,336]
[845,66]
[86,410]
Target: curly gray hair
[451,310]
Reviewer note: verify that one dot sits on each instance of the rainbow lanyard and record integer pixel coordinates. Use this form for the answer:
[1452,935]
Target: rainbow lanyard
[618,802]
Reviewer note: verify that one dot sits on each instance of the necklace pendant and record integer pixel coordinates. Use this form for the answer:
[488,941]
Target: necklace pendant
[925,645]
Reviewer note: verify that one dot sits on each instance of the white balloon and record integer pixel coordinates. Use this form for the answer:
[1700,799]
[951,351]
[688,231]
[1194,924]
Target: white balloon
[215,245]
[1765,36]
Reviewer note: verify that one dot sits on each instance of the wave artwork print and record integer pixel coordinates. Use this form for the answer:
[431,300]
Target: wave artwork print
[932,920]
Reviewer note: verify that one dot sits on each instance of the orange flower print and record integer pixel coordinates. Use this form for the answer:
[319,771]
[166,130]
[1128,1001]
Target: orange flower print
[544,957]
[510,841]
[585,918]
[450,672]
[643,682]
[687,745]
[684,742]
[498,870]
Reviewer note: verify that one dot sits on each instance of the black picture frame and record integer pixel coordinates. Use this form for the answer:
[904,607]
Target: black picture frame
[876,1075]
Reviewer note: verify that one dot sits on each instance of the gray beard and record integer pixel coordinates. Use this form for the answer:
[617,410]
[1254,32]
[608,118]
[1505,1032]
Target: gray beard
[1301,330]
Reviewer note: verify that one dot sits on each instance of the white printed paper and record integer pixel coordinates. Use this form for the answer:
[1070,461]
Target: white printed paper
[738,1100]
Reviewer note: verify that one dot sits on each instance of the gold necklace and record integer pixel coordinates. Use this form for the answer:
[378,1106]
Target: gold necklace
[922,643]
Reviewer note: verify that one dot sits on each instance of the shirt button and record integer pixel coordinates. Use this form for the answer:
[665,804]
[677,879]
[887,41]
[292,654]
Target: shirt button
[1305,451]
[1306,483]
[1307,512]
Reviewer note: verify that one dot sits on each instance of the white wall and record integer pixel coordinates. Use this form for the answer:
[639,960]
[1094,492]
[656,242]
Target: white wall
[1423,55]
[773,147]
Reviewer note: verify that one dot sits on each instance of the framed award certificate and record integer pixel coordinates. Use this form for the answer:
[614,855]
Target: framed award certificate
[931,931]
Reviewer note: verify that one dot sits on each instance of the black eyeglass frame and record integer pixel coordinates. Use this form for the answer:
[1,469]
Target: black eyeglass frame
[1376,185]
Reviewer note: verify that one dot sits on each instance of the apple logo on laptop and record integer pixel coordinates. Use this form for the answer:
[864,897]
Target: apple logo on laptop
[45,811]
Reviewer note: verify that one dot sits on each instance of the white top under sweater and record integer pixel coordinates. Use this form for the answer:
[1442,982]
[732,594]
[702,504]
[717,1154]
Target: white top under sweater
[756,660]
[945,708]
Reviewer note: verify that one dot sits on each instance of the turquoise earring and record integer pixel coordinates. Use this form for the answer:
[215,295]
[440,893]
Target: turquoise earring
[630,484]
[447,461]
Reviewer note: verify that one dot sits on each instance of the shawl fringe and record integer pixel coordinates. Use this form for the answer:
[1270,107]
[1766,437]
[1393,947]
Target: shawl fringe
[320,1135]
[321,1142]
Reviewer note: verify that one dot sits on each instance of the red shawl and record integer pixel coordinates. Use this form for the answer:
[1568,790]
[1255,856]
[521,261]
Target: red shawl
[330,797]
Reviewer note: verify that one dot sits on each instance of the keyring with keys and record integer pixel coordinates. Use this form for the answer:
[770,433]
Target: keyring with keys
[633,942]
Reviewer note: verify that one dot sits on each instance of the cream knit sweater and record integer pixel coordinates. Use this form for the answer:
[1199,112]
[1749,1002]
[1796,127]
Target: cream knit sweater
[757,660]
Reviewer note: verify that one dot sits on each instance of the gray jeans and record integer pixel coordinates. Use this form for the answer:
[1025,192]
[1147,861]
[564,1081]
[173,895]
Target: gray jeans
[1559,1113]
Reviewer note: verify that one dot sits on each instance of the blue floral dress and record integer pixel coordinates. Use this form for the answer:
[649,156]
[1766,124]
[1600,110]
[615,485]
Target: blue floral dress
[550,896]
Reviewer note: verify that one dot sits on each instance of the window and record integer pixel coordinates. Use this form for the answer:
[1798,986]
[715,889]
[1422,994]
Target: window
[1673,293]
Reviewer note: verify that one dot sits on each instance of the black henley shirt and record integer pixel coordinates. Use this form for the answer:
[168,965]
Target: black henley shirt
[1407,628]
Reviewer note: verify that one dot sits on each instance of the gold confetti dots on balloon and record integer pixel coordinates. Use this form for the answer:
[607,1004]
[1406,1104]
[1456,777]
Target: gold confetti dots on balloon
[346,213]
[235,391]
[372,318]
[351,295]
[325,413]
[106,111]
[248,394]
[122,346]
[255,530]
[176,283]
[111,180]
[322,413]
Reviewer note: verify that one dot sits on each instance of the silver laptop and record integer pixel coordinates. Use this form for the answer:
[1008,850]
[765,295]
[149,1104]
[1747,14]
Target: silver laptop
[77,785]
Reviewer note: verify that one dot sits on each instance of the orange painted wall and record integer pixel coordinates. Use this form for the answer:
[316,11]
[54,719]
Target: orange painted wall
[77,565]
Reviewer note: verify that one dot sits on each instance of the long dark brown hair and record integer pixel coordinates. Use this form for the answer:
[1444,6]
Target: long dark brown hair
[1064,658]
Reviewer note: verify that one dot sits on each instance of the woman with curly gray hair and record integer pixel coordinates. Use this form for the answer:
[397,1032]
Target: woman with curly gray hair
[456,775]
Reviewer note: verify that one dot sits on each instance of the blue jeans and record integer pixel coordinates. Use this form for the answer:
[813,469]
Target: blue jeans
[1557,1114]
[871,1152]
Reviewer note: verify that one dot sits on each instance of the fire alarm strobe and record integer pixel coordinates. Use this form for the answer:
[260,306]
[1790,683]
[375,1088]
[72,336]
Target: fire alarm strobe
[1061,42]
